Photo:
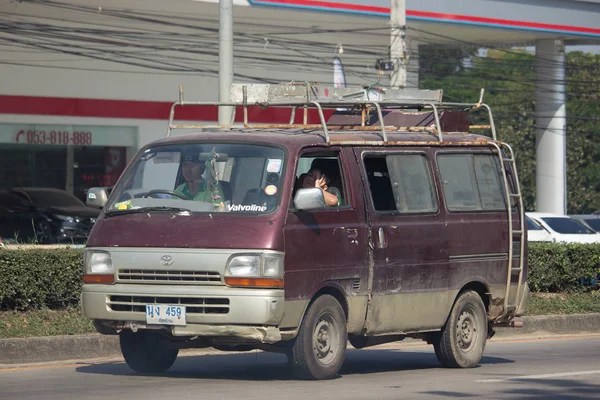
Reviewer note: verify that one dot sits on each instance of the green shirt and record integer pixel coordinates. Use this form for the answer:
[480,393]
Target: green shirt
[336,192]
[204,193]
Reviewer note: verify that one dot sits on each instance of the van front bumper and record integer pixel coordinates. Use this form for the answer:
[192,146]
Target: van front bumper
[210,310]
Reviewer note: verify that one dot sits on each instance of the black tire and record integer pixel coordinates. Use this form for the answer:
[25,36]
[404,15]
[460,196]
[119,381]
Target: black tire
[147,351]
[461,342]
[320,347]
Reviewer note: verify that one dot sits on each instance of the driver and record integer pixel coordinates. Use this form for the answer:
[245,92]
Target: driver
[196,187]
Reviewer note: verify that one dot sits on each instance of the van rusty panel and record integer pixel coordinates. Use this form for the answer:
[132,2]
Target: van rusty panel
[212,231]
[410,274]
[322,249]
[477,233]
[479,252]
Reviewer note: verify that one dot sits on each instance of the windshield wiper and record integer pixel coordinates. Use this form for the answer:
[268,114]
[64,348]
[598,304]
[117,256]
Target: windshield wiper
[144,209]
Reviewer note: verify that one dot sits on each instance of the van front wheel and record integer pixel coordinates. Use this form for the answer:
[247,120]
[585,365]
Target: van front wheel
[147,351]
[320,347]
[461,342]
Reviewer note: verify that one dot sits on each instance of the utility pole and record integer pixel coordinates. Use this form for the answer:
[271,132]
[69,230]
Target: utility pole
[225,59]
[398,43]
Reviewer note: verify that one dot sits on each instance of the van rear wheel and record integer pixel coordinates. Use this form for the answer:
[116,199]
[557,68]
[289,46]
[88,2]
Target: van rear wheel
[320,347]
[461,342]
[147,351]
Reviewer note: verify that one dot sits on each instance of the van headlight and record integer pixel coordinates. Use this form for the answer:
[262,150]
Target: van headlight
[97,267]
[263,270]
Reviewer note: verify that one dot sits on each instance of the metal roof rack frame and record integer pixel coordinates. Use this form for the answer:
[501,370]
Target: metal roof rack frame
[312,95]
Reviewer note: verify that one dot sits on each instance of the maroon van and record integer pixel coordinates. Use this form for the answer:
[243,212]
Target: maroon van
[368,227]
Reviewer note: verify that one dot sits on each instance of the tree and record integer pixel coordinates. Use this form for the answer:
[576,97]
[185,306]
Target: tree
[583,129]
[509,81]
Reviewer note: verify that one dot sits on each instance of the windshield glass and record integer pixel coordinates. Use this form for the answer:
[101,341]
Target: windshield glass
[532,225]
[202,177]
[567,225]
[594,223]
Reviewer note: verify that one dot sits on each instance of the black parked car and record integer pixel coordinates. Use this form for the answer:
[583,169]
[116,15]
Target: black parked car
[45,216]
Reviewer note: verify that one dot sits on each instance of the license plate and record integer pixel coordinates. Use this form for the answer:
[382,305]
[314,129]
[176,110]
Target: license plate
[164,314]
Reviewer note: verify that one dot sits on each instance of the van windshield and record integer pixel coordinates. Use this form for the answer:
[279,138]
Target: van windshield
[201,177]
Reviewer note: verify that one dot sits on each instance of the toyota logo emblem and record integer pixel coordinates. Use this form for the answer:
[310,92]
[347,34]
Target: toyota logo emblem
[166,260]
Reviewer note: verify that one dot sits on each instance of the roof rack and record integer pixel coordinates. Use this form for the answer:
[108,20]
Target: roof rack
[307,95]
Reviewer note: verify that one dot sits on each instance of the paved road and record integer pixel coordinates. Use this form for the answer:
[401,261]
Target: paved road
[551,368]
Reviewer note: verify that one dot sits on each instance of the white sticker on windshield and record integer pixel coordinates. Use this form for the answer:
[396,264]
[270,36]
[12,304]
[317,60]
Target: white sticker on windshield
[274,165]
[166,157]
[249,207]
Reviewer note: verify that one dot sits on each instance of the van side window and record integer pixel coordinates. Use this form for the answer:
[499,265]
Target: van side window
[380,184]
[412,183]
[329,165]
[401,183]
[471,182]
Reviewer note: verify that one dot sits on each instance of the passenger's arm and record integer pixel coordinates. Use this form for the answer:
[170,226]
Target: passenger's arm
[330,199]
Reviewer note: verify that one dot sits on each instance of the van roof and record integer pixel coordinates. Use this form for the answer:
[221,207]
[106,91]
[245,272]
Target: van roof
[301,137]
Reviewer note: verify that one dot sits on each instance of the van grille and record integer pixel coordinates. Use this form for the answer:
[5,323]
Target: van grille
[168,276]
[194,305]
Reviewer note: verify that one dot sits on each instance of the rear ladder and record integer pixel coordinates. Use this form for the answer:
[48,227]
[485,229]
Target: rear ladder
[515,201]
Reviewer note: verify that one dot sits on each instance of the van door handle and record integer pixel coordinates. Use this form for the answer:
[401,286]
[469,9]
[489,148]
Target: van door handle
[352,233]
[382,242]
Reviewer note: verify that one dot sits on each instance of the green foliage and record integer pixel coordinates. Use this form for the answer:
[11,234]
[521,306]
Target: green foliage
[33,279]
[509,79]
[583,126]
[564,268]
[439,60]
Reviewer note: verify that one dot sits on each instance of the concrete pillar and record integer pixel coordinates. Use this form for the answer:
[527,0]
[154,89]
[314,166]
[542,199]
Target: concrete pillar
[550,120]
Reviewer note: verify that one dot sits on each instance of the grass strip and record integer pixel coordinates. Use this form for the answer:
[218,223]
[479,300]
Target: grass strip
[563,304]
[45,322]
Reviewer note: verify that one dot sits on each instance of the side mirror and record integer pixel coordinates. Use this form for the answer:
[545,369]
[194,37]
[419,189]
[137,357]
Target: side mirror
[309,199]
[97,197]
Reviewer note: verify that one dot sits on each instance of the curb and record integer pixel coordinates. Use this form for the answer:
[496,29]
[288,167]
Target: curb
[82,347]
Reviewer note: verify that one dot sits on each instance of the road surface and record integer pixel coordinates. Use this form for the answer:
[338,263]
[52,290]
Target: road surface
[549,368]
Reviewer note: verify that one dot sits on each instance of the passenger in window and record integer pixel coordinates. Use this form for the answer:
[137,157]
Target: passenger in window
[316,178]
[196,187]
[299,182]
